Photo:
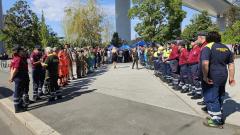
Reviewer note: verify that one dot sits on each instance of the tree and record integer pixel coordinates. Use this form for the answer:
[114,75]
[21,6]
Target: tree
[107,32]
[232,15]
[20,26]
[44,33]
[160,19]
[201,22]
[175,17]
[152,15]
[82,24]
[116,41]
[232,34]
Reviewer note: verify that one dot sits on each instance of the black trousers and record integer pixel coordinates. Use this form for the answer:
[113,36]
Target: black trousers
[135,61]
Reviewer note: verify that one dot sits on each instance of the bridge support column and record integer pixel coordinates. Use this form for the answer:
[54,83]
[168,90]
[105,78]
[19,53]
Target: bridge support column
[1,26]
[221,22]
[123,23]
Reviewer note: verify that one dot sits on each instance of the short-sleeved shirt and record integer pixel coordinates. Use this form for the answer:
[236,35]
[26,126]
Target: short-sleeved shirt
[194,55]
[219,56]
[35,57]
[21,64]
[183,58]
[174,53]
[52,62]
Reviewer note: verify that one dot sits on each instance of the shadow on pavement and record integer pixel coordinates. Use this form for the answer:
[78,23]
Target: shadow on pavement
[230,106]
[5,92]
[75,89]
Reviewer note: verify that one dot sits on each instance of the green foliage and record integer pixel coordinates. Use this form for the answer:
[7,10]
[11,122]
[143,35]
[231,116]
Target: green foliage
[44,33]
[116,41]
[232,15]
[160,19]
[82,24]
[20,26]
[175,17]
[201,22]
[232,34]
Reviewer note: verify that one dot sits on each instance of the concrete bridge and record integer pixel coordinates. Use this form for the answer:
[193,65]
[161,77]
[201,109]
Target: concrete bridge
[215,8]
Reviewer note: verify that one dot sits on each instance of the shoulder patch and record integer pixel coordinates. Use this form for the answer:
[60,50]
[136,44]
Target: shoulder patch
[209,45]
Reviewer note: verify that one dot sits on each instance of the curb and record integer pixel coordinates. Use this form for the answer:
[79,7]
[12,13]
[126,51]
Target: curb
[32,123]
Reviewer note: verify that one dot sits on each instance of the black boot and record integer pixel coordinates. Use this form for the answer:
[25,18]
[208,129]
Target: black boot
[19,108]
[197,96]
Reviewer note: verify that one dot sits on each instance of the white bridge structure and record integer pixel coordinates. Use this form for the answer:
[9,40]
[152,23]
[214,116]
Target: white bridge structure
[215,8]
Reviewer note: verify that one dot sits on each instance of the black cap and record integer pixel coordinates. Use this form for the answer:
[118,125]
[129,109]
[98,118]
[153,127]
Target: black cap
[202,33]
[173,42]
[181,43]
[193,39]
[37,47]
[17,48]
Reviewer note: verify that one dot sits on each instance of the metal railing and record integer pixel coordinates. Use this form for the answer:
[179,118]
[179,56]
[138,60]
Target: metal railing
[4,65]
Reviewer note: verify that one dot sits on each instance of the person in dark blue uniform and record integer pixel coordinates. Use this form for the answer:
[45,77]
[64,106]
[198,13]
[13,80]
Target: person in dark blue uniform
[37,73]
[19,75]
[216,61]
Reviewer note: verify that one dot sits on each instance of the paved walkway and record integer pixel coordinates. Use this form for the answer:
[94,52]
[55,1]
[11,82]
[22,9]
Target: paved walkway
[9,125]
[128,102]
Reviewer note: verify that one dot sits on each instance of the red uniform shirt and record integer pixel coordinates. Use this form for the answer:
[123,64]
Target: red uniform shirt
[194,55]
[174,53]
[15,63]
[21,65]
[35,57]
[183,58]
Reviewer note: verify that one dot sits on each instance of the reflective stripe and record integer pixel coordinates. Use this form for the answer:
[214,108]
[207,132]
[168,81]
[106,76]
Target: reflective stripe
[16,98]
[16,103]
[215,113]
[216,118]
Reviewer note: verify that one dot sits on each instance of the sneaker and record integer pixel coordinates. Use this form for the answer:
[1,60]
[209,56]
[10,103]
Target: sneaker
[213,123]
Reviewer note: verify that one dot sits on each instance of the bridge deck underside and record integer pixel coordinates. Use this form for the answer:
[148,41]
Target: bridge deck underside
[214,7]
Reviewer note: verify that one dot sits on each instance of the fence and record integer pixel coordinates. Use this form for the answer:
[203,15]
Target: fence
[4,65]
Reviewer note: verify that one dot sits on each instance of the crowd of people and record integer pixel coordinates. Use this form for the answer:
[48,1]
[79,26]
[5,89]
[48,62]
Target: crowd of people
[52,68]
[199,67]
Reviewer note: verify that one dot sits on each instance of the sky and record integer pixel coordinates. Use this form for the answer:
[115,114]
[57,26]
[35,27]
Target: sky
[54,11]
